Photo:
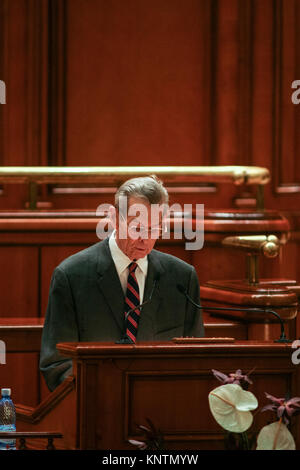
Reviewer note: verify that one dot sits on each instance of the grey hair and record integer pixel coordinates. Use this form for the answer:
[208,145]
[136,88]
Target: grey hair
[149,188]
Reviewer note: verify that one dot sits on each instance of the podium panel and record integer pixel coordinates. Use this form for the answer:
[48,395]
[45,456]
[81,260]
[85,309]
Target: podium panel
[116,388]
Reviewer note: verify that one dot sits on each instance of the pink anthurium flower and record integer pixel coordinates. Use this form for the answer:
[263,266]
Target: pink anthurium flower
[236,377]
[283,408]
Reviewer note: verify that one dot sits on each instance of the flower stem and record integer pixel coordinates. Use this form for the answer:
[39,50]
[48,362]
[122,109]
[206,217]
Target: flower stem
[245,440]
[277,434]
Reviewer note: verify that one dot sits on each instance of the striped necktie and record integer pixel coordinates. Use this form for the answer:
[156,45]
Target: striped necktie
[132,300]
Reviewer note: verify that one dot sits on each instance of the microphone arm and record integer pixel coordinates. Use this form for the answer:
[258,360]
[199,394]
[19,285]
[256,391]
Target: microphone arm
[125,339]
[138,307]
[282,339]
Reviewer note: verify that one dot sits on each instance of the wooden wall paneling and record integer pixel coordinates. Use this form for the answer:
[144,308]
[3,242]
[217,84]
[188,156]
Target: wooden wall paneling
[245,91]
[19,281]
[145,91]
[131,82]
[213,40]
[38,88]
[57,79]
[297,75]
[245,196]
[262,89]
[13,73]
[227,82]
[24,69]
[142,87]
[20,373]
[235,82]
[212,263]
[3,56]
[284,266]
[286,114]
[37,82]
[13,112]
[297,257]
[227,87]
[20,298]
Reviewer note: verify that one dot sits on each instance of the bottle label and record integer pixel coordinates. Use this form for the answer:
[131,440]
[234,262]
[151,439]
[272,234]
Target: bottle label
[7,444]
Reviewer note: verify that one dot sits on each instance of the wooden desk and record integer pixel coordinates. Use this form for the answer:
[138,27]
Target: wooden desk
[116,387]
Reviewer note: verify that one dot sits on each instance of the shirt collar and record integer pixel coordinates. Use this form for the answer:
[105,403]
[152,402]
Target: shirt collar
[121,260]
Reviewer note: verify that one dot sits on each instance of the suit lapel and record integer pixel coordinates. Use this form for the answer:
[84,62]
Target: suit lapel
[109,284]
[147,324]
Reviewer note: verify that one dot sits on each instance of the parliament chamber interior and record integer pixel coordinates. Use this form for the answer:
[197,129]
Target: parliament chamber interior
[202,94]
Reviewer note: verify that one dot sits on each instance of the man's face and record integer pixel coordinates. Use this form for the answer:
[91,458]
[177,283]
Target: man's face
[137,232]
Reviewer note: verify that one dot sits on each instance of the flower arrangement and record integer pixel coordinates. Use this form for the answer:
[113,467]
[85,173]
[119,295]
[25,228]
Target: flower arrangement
[231,405]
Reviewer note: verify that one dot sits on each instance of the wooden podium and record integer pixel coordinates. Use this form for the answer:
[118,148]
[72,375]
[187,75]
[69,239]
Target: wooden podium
[116,387]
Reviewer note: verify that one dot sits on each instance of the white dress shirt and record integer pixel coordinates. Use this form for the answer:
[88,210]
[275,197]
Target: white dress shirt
[122,262]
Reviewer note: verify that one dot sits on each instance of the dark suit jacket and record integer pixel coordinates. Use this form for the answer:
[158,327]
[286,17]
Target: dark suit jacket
[86,303]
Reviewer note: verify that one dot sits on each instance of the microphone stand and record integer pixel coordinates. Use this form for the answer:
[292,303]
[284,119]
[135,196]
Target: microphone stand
[282,339]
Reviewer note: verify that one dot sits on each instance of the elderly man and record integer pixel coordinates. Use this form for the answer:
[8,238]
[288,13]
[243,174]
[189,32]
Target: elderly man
[96,294]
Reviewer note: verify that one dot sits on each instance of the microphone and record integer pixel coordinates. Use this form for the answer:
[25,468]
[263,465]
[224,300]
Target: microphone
[125,339]
[282,339]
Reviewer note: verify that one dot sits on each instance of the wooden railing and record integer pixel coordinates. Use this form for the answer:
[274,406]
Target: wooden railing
[22,436]
[108,175]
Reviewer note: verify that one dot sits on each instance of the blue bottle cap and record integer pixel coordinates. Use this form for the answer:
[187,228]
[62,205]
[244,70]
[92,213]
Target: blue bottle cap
[5,392]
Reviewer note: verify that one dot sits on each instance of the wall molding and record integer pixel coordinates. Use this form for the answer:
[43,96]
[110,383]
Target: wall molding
[57,93]
[286,116]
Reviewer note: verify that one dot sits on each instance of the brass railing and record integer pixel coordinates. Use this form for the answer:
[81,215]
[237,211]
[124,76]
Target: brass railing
[254,245]
[250,175]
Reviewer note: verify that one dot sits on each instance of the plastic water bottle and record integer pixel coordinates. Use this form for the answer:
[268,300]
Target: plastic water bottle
[7,419]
